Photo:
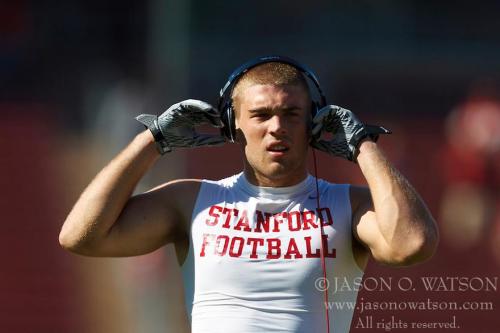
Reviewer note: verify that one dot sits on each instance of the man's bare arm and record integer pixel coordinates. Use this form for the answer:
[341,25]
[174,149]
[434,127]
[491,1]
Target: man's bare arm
[390,218]
[106,221]
[395,226]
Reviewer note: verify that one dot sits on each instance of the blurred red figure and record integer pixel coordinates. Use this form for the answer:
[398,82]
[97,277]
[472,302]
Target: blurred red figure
[470,164]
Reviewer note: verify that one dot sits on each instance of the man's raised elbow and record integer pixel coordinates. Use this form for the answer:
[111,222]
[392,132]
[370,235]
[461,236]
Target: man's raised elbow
[429,244]
[420,254]
[418,250]
[72,242]
[68,242]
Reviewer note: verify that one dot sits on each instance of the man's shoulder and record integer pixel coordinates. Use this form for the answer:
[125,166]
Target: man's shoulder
[177,184]
[227,182]
[175,191]
[193,185]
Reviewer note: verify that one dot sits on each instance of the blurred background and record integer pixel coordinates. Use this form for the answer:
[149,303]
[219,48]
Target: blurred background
[73,74]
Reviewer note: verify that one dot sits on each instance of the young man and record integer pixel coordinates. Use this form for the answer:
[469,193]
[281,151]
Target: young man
[254,246]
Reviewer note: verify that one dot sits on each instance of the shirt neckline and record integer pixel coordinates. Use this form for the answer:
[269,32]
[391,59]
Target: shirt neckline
[275,192]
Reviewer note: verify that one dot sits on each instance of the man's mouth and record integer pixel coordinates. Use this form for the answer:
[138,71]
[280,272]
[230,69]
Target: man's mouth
[278,148]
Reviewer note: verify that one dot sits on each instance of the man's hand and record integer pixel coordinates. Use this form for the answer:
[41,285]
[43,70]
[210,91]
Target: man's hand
[175,128]
[348,132]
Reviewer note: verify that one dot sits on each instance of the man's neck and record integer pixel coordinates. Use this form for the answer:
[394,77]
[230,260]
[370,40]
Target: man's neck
[258,179]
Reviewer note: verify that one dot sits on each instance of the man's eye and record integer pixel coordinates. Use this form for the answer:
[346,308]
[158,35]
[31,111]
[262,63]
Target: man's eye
[292,114]
[261,115]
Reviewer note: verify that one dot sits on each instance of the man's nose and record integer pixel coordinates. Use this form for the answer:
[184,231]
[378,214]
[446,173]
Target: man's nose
[277,124]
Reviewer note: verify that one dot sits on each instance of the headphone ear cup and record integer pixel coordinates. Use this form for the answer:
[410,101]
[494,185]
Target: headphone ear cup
[225,131]
[314,109]
[315,106]
[230,123]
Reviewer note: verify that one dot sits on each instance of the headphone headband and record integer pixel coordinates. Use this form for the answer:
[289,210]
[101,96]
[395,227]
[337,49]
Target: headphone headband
[225,102]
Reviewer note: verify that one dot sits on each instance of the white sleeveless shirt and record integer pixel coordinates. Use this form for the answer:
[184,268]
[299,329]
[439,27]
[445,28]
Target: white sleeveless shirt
[254,258]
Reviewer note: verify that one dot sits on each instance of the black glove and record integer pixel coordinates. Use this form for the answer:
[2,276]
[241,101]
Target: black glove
[175,127]
[347,130]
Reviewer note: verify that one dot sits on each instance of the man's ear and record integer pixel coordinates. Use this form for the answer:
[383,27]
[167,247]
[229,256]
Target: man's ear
[237,130]
[239,135]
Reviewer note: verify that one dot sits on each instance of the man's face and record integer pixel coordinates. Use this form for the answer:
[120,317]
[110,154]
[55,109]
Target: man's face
[273,128]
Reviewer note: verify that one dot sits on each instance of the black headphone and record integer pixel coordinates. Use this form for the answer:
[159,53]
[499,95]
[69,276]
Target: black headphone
[226,103]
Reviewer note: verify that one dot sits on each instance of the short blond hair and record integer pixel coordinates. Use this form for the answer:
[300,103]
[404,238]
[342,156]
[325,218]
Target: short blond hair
[273,73]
